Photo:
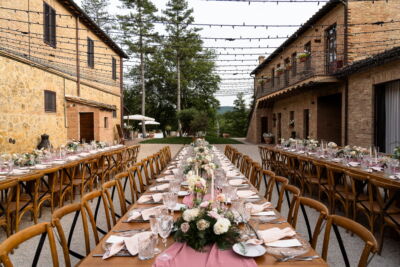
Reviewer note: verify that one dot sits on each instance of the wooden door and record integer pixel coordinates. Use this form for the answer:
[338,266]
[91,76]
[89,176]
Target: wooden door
[86,126]
[264,127]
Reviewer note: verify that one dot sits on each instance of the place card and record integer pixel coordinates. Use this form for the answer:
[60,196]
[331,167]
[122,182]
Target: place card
[286,243]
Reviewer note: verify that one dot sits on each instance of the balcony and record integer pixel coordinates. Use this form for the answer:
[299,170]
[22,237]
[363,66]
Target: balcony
[310,69]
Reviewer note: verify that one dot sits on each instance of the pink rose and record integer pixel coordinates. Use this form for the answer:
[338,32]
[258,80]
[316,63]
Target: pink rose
[204,204]
[185,227]
[214,214]
[220,197]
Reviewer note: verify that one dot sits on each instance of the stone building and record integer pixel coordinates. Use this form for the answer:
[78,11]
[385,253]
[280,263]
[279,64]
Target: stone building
[60,74]
[330,79]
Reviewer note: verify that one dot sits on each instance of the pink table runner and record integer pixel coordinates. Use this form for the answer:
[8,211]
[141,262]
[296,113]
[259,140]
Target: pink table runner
[181,255]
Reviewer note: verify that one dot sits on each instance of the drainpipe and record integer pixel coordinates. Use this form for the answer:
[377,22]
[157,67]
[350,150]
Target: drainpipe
[346,62]
[121,84]
[78,75]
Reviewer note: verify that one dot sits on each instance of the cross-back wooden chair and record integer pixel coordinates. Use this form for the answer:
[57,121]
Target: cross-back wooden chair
[237,158]
[323,211]
[339,188]
[8,205]
[245,166]
[384,196]
[269,181]
[358,197]
[147,170]
[168,154]
[100,198]
[127,182]
[43,229]
[85,176]
[157,164]
[136,178]
[256,175]
[111,188]
[264,157]
[370,246]
[65,187]
[27,197]
[49,188]
[66,241]
[292,193]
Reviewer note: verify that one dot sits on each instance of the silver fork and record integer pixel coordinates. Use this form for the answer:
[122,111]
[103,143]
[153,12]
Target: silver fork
[294,258]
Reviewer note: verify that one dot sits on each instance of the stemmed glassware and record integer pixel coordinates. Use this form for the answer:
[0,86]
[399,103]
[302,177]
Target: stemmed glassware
[165,225]
[170,199]
[154,221]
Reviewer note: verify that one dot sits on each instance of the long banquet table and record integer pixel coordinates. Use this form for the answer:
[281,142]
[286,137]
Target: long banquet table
[94,260]
[378,175]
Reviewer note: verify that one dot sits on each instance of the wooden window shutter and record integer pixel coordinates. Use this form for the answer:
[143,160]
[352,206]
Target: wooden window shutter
[53,27]
[50,104]
[90,52]
[46,23]
[114,68]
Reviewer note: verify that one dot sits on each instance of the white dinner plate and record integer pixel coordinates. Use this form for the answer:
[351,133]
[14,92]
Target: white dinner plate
[183,193]
[179,206]
[248,250]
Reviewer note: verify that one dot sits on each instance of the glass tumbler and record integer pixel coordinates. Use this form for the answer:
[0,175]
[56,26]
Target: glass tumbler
[146,247]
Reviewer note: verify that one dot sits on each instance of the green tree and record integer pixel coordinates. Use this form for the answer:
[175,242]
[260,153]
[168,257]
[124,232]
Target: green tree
[183,43]
[139,37]
[97,11]
[235,122]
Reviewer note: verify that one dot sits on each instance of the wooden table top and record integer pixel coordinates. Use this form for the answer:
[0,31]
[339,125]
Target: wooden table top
[56,166]
[265,260]
[378,175]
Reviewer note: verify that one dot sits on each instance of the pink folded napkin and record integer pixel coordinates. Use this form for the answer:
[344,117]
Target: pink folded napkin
[160,187]
[245,193]
[232,173]
[165,178]
[274,234]
[180,254]
[236,181]
[256,208]
[118,243]
[146,198]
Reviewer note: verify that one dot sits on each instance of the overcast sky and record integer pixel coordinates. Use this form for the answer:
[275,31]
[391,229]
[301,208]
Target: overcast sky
[233,12]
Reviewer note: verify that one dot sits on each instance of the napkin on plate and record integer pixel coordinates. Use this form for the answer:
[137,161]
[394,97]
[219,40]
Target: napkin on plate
[146,213]
[245,193]
[146,198]
[353,164]
[165,178]
[118,243]
[236,181]
[286,243]
[160,187]
[275,233]
[72,158]
[84,154]
[264,213]
[255,208]
[16,172]
[378,169]
[134,215]
[232,173]
[40,166]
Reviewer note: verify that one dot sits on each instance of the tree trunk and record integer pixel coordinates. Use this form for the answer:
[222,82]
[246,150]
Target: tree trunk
[143,93]
[178,104]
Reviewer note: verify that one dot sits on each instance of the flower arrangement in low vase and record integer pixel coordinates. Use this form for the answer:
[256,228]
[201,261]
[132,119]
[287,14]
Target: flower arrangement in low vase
[396,153]
[72,146]
[197,186]
[27,159]
[204,225]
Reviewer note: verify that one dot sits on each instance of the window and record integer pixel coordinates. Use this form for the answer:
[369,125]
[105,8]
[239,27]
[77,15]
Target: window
[90,52]
[114,112]
[306,123]
[114,68]
[50,101]
[307,49]
[294,64]
[288,66]
[105,122]
[49,25]
[331,49]
[272,77]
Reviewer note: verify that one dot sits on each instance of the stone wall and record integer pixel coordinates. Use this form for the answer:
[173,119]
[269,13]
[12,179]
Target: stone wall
[361,101]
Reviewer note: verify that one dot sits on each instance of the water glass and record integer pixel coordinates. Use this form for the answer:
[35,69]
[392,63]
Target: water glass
[146,247]
[154,229]
[174,186]
[170,200]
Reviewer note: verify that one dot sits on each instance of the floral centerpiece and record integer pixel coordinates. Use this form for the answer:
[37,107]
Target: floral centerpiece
[352,151]
[27,159]
[332,145]
[72,146]
[310,144]
[198,187]
[203,226]
[396,152]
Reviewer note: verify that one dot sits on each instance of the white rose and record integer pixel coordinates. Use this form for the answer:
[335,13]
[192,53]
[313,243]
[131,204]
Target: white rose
[202,224]
[221,226]
[190,214]
[189,160]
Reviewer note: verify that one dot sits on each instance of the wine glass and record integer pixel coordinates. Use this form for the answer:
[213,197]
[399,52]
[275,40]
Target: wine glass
[165,225]
[170,199]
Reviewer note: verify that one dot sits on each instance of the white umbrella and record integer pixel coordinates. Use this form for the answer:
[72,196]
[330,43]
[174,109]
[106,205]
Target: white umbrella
[150,123]
[138,117]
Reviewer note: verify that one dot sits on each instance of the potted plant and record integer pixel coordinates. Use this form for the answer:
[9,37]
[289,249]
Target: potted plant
[268,138]
[226,135]
[303,56]
[288,66]
[279,71]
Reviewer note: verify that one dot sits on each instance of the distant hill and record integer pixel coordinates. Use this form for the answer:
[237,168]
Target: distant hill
[224,109]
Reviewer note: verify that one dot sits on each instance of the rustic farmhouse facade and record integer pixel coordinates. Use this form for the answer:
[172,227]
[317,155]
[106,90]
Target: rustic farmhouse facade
[337,78]
[60,74]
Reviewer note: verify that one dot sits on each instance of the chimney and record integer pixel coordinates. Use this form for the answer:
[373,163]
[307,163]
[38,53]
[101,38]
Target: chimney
[260,59]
